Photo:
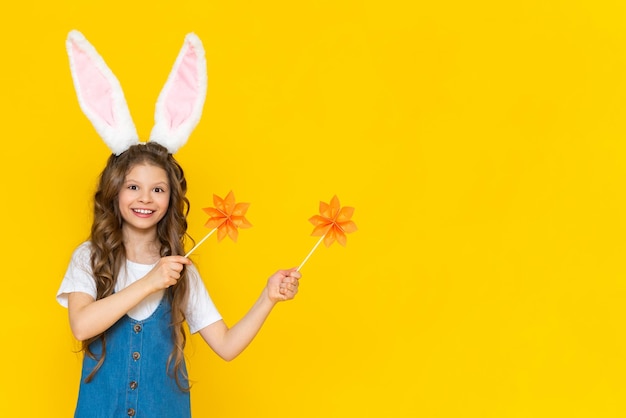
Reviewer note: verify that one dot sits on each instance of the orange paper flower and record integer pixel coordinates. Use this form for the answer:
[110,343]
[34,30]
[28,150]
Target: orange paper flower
[227,216]
[333,222]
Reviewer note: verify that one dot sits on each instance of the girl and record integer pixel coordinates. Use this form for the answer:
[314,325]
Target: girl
[128,290]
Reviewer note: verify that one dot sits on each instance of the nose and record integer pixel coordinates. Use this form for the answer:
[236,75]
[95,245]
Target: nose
[146,196]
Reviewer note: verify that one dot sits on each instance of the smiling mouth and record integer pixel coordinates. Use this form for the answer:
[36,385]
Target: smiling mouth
[143,211]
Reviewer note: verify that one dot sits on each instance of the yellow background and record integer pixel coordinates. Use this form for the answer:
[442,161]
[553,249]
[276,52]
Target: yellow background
[482,144]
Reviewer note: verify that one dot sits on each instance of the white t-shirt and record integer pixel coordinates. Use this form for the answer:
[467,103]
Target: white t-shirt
[200,310]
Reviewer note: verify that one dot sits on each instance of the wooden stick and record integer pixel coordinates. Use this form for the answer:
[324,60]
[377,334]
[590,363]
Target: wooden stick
[201,241]
[307,257]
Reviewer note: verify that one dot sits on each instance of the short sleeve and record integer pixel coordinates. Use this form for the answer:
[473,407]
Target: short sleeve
[78,277]
[200,311]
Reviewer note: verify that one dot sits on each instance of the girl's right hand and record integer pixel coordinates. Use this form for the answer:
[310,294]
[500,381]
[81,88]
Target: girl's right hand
[166,272]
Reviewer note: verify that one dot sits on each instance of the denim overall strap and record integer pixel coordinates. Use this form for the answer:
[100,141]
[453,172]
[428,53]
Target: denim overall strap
[133,380]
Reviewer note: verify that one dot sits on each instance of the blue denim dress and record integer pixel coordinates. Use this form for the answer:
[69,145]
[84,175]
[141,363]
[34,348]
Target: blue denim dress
[133,380]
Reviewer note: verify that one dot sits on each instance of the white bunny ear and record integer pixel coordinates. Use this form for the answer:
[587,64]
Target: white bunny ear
[100,95]
[180,103]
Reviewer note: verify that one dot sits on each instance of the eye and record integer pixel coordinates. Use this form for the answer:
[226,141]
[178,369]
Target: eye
[133,187]
[159,190]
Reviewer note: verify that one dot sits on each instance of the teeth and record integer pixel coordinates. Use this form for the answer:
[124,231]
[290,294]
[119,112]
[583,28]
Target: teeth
[143,211]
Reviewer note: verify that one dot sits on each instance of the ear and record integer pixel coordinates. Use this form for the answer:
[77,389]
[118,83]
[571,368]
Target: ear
[100,95]
[180,103]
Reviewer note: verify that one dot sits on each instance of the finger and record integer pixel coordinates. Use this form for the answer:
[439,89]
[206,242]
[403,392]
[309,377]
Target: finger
[288,289]
[174,273]
[291,282]
[180,259]
[285,294]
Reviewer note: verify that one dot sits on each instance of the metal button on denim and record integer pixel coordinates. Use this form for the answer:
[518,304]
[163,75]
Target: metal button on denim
[133,385]
[137,328]
[131,412]
[136,355]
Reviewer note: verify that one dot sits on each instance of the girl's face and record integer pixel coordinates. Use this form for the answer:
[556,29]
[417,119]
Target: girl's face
[144,198]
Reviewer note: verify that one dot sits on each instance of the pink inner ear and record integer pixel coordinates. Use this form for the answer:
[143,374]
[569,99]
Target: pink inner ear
[183,91]
[94,87]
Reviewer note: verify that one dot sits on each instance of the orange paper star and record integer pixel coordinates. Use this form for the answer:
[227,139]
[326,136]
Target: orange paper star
[333,222]
[227,216]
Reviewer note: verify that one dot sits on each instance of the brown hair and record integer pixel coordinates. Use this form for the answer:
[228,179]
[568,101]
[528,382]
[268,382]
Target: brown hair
[108,253]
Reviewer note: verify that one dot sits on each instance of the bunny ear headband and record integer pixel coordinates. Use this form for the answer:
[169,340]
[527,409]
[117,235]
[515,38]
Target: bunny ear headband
[101,98]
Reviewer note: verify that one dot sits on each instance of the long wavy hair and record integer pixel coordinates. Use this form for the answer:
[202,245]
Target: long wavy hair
[108,254]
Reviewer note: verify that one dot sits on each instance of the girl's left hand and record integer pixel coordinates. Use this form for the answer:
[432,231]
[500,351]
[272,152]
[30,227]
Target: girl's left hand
[283,285]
